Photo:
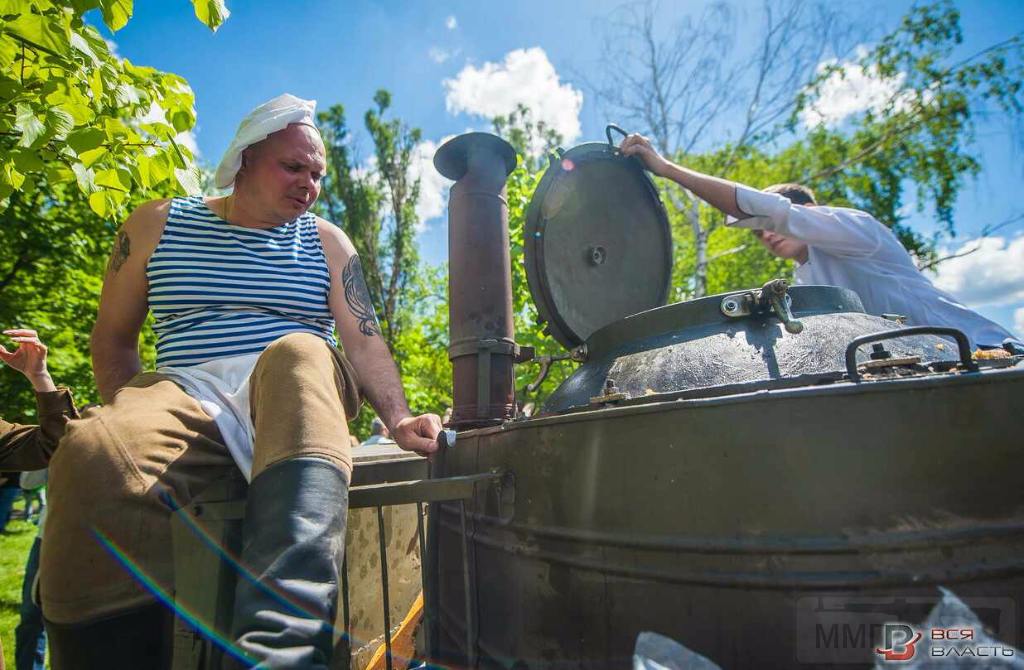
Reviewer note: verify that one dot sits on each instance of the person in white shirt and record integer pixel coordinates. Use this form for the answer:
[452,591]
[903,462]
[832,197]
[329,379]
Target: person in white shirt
[831,245]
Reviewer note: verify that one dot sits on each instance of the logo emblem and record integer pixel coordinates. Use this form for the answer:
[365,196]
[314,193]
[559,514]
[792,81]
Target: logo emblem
[900,642]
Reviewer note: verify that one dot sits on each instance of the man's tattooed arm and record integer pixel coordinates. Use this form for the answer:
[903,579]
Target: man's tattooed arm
[122,249]
[358,297]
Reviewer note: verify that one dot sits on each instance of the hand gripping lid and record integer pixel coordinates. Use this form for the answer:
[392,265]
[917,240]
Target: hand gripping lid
[598,246]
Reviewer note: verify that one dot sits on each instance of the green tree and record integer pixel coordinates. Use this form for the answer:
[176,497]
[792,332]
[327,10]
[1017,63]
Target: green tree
[376,205]
[72,112]
[84,137]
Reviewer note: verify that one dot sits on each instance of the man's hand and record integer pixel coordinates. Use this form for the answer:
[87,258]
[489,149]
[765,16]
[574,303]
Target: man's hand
[418,433]
[641,147]
[28,358]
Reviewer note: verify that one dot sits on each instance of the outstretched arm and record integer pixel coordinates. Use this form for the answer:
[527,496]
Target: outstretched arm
[836,230]
[365,346]
[719,193]
[30,447]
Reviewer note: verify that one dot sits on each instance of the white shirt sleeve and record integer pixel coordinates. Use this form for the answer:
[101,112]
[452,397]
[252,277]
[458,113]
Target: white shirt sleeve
[836,230]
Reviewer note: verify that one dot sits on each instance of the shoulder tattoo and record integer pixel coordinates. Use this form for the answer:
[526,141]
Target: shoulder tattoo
[122,249]
[358,297]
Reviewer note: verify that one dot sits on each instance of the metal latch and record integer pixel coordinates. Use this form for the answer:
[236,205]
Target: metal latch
[610,394]
[770,298]
[579,355]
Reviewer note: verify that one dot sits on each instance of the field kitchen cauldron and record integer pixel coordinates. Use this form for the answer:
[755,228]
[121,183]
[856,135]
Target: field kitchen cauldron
[751,474]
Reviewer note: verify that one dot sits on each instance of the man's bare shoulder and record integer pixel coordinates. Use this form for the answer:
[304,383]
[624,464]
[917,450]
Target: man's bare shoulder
[337,245]
[148,218]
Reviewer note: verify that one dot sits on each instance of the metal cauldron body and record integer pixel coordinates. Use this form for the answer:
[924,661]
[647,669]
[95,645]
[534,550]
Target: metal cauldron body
[736,524]
[695,345]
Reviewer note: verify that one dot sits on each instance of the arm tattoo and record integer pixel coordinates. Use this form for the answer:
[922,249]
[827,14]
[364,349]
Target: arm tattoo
[122,248]
[358,297]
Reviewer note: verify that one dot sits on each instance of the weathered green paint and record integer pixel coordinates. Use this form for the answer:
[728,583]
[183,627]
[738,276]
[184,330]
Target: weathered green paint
[713,520]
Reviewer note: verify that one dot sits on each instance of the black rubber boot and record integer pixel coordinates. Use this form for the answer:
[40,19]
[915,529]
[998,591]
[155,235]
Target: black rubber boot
[294,540]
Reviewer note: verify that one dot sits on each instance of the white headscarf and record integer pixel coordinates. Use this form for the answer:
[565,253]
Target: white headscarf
[270,117]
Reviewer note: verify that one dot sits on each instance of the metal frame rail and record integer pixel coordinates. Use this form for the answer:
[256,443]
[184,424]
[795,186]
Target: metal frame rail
[448,489]
[222,521]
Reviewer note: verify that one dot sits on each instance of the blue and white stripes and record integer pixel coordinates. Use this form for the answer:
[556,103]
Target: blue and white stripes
[219,290]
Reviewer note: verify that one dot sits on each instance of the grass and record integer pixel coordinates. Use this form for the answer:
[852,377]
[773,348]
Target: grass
[14,548]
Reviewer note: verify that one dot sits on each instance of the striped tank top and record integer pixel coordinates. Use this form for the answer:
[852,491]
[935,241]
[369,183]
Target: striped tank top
[218,290]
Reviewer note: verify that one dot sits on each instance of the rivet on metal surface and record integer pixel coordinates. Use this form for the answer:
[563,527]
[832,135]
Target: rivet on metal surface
[596,255]
[731,306]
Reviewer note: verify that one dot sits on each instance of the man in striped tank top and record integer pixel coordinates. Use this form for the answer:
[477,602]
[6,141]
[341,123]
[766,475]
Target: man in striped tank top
[246,292]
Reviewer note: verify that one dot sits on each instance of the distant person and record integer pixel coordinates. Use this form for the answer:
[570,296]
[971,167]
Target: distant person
[378,434]
[9,492]
[34,495]
[30,635]
[831,245]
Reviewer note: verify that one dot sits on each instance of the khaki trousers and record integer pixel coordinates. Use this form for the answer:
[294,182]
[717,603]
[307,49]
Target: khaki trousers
[117,467]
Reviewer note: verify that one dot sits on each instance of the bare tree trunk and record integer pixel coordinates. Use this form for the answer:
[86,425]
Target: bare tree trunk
[700,243]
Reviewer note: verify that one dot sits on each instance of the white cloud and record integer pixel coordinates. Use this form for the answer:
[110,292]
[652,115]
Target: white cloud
[856,89]
[451,23]
[992,275]
[438,55]
[433,187]
[1018,321]
[527,77]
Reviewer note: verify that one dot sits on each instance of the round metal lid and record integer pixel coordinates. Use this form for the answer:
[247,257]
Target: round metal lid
[598,246]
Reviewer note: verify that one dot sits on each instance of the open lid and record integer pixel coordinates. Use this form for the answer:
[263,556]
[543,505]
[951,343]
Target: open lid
[598,246]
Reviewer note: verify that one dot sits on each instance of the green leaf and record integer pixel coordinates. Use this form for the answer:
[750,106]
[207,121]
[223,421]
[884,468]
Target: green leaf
[189,179]
[211,12]
[82,6]
[81,113]
[85,177]
[84,139]
[116,14]
[42,33]
[98,204]
[80,44]
[9,176]
[90,157]
[31,128]
[141,170]
[28,160]
[59,122]
[119,180]
[9,51]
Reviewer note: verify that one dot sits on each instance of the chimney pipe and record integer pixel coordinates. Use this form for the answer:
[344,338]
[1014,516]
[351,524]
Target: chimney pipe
[482,333]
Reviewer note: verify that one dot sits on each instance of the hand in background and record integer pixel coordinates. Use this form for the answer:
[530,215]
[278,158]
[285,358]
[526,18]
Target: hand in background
[28,358]
[641,147]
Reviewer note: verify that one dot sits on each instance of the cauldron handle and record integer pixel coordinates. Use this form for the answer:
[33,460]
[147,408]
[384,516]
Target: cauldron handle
[963,345]
[608,132]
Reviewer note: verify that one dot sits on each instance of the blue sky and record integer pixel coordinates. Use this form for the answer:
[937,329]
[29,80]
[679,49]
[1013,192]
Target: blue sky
[341,52]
